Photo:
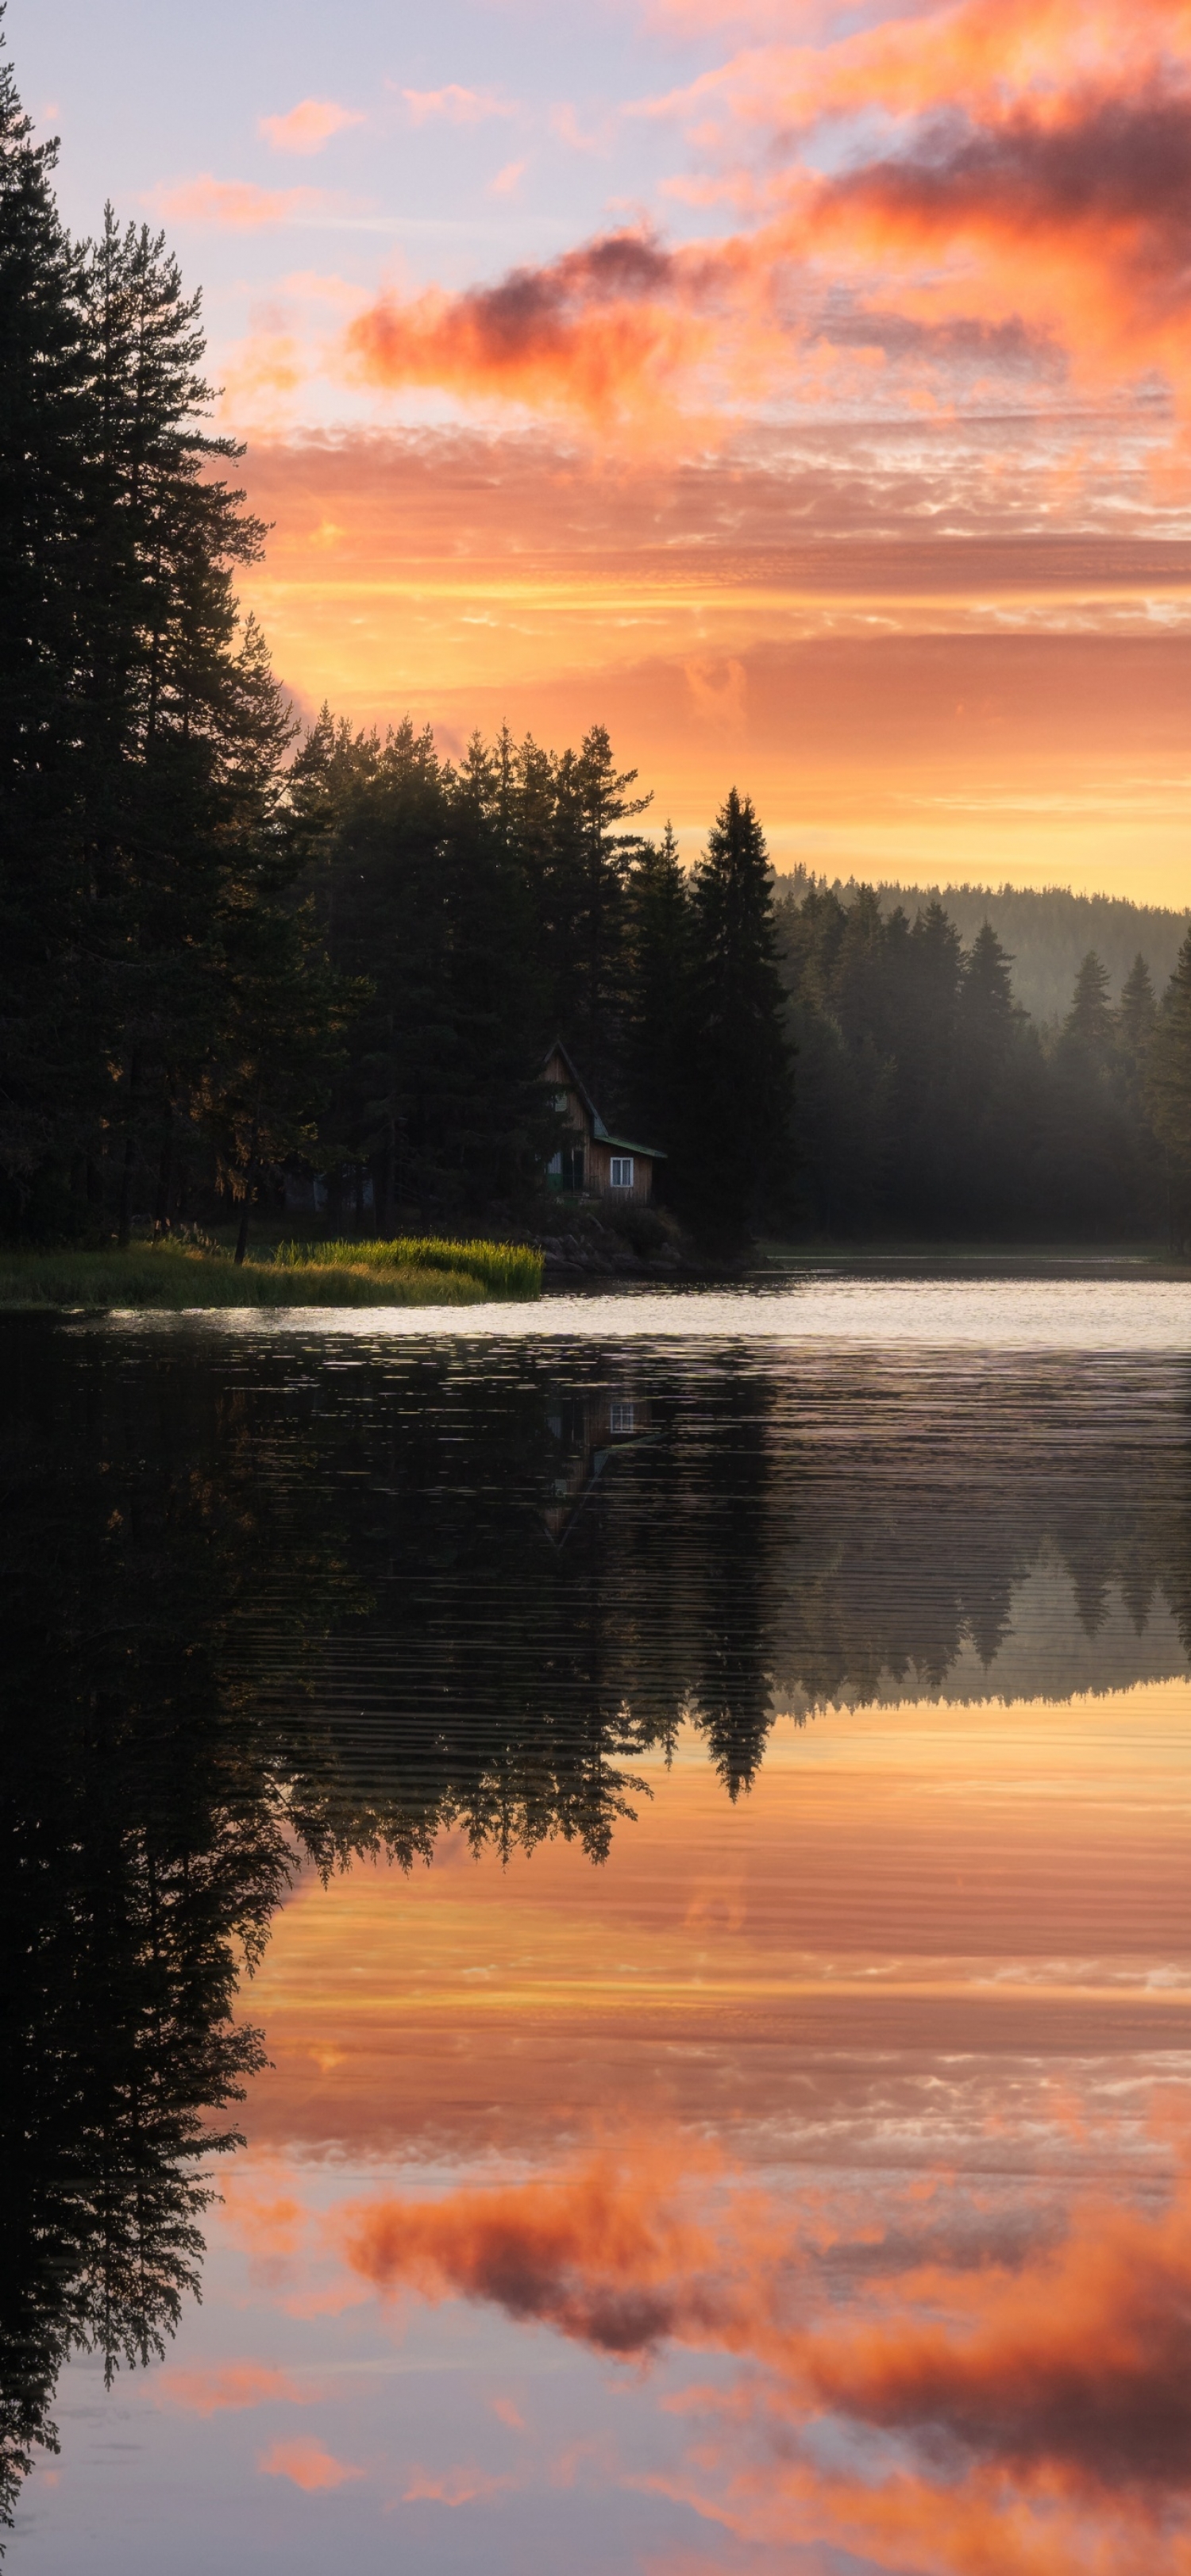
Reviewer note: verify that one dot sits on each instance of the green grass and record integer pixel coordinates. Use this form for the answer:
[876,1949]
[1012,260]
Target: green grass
[503,1269]
[173,1277]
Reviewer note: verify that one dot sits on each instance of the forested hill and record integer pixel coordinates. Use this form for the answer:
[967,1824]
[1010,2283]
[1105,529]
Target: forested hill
[1048,933]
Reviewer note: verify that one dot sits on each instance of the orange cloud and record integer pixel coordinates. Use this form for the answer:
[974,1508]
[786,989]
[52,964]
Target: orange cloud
[235,205]
[601,333]
[308,126]
[975,55]
[456,2486]
[458,106]
[235,2385]
[1078,222]
[307,2465]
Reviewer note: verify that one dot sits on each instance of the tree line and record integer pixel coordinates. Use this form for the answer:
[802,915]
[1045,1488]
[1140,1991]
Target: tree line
[233,949]
[1047,930]
[930,1102]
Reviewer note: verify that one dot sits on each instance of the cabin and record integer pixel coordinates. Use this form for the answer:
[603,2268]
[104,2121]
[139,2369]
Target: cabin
[597,1165]
[590,1432]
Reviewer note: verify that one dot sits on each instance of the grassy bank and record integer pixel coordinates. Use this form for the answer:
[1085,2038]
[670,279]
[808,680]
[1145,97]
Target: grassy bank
[177,1277]
[502,1269]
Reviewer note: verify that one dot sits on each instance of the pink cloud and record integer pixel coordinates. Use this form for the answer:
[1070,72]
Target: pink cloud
[307,2465]
[458,106]
[228,2389]
[508,180]
[509,2414]
[309,125]
[455,2486]
[235,205]
[565,124]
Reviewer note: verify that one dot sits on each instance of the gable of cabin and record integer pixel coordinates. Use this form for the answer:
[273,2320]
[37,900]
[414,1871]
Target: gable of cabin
[598,1164]
[569,1098]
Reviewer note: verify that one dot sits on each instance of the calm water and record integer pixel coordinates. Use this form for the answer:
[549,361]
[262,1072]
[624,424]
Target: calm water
[671,1812]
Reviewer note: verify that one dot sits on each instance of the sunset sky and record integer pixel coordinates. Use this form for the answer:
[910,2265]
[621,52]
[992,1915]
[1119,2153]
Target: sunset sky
[803,392]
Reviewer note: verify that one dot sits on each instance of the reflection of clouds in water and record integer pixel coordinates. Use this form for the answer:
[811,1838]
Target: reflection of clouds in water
[965,2404]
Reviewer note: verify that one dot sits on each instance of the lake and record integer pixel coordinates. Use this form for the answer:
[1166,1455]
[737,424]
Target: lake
[660,1823]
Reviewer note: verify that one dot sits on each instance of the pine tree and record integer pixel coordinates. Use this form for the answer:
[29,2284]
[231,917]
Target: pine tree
[586,908]
[988,1013]
[659,936]
[45,435]
[1135,1022]
[1089,1030]
[494,1130]
[184,725]
[734,1143]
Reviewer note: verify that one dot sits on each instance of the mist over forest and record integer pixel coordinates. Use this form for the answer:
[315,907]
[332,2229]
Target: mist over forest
[1047,930]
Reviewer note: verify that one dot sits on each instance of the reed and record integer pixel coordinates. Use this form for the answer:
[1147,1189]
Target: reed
[512,1270]
[168,1276]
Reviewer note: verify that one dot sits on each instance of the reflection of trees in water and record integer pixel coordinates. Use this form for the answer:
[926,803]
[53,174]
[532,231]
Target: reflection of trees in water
[258,1610]
[144,1852]
[1014,1528]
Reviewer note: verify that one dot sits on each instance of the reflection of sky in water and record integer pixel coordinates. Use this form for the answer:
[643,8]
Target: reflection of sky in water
[799,2185]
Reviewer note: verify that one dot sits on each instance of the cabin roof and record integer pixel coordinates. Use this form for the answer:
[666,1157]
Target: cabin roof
[602,1134]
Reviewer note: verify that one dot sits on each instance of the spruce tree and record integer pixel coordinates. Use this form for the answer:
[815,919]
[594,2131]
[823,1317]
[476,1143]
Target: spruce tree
[1089,1030]
[659,968]
[1135,1022]
[988,1013]
[586,908]
[184,726]
[734,1143]
[46,427]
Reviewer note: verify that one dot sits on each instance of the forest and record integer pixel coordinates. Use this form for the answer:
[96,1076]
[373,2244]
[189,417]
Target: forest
[239,954]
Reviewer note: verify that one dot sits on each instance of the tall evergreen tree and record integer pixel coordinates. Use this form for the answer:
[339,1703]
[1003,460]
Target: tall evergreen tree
[1089,1030]
[46,425]
[586,907]
[659,970]
[734,1143]
[1135,1024]
[989,1014]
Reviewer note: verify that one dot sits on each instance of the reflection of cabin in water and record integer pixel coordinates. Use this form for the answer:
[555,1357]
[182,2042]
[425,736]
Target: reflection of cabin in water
[590,1430]
[597,1165]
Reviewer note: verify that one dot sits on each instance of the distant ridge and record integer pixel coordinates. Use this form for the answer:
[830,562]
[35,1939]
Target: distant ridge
[1047,930]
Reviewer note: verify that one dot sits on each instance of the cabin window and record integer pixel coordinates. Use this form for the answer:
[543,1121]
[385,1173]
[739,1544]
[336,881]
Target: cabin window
[622,1417]
[622,1171]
